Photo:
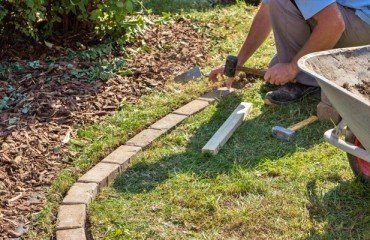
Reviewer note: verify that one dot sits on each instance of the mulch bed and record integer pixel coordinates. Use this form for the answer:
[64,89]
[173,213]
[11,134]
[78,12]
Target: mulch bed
[45,106]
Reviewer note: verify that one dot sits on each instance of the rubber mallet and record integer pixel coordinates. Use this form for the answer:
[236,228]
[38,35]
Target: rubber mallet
[231,67]
[288,134]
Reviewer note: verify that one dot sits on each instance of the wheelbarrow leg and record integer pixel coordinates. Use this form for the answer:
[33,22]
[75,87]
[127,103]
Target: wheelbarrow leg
[326,112]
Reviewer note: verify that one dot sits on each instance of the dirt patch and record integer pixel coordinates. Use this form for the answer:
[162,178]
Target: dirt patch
[244,80]
[41,105]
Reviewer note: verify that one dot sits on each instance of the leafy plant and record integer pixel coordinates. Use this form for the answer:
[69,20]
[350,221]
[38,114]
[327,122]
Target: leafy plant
[3,12]
[34,64]
[43,18]
[12,120]
[102,70]
[4,102]
[26,108]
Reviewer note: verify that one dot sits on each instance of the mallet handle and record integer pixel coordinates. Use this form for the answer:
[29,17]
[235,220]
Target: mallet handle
[304,123]
[252,71]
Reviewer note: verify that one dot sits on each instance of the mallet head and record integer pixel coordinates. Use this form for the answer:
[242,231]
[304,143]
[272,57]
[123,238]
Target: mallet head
[282,133]
[230,66]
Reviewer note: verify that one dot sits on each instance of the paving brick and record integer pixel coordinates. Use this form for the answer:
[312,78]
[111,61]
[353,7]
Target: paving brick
[71,216]
[216,94]
[71,234]
[192,107]
[122,155]
[168,122]
[145,137]
[326,112]
[101,173]
[81,193]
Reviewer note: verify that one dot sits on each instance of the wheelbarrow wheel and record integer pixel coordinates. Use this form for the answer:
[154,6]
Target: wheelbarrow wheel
[360,167]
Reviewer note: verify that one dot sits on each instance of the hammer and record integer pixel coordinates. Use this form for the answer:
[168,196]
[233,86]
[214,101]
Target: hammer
[231,67]
[288,134]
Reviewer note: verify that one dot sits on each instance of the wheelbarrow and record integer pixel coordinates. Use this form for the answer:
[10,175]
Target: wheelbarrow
[339,72]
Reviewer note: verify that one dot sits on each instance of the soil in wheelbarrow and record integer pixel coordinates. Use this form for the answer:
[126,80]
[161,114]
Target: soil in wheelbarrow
[364,88]
[347,69]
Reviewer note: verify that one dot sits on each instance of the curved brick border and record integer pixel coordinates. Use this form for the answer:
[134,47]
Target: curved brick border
[72,213]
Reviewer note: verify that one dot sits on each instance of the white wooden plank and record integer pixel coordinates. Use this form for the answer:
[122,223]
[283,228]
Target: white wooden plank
[227,129]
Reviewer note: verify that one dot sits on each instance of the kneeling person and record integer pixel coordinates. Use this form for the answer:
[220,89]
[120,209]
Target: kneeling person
[301,27]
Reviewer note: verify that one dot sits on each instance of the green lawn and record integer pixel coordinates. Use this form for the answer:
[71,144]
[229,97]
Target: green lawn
[256,188]
[96,141]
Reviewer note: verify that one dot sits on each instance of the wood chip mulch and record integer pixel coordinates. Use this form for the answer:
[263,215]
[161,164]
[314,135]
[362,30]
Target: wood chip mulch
[45,106]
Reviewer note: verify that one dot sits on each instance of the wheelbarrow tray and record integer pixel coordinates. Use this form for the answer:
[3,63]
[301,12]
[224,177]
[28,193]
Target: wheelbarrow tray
[336,71]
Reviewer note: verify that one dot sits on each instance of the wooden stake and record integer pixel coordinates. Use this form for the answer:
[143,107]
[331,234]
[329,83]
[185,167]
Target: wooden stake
[227,129]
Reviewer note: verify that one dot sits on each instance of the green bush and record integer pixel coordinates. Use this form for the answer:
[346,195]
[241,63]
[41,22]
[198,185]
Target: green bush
[42,18]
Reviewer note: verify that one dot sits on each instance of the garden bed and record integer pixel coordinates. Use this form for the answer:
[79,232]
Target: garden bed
[43,99]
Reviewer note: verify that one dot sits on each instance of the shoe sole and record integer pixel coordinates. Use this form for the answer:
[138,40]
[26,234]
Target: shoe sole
[272,102]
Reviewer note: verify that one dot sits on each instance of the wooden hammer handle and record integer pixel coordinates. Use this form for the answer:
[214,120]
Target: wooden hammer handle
[304,123]
[252,71]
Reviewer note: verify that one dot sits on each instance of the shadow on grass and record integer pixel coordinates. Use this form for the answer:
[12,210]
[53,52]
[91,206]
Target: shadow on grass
[345,209]
[250,145]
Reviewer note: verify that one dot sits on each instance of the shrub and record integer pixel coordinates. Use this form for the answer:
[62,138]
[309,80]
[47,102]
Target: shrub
[252,2]
[42,18]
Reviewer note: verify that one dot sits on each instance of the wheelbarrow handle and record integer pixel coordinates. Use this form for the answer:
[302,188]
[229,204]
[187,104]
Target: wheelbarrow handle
[331,137]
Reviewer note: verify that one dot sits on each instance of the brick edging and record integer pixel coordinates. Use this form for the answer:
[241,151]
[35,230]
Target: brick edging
[72,213]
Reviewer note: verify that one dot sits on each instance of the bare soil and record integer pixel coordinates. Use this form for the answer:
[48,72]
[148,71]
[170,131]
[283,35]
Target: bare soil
[45,106]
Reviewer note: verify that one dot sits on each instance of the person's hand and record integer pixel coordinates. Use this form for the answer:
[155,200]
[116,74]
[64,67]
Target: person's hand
[281,73]
[217,71]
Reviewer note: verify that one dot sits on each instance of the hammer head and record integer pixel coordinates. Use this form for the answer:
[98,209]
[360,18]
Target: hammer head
[230,66]
[283,133]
